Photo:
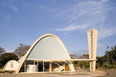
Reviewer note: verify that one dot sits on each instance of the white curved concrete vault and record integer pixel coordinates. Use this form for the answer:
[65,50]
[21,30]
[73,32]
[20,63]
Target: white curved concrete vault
[47,47]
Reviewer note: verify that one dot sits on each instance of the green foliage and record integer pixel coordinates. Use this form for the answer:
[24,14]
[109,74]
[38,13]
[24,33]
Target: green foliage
[73,56]
[85,56]
[1,50]
[4,58]
[8,72]
[108,60]
[85,64]
[113,51]
[100,62]
[114,66]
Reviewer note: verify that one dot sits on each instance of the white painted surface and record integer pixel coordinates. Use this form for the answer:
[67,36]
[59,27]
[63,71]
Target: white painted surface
[20,59]
[11,65]
[31,68]
[71,67]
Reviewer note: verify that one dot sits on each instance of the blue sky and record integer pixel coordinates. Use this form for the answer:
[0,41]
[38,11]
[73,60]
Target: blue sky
[23,21]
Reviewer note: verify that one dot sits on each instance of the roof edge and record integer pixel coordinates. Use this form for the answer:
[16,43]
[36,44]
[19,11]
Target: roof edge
[35,44]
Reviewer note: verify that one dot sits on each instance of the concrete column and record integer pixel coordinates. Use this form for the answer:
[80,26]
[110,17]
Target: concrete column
[72,69]
[37,66]
[64,67]
[92,66]
[43,66]
[25,66]
[50,67]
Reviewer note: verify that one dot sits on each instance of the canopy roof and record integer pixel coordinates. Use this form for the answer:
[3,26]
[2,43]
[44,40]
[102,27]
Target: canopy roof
[62,60]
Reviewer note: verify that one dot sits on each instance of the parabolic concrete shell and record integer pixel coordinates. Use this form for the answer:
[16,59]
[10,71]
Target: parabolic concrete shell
[48,47]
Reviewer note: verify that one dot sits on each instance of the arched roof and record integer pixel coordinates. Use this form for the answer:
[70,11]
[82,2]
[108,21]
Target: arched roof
[58,51]
[6,67]
[47,47]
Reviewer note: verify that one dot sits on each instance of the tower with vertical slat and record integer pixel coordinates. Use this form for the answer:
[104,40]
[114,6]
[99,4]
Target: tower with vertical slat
[92,46]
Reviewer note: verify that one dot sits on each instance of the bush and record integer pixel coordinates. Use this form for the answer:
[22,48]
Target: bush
[114,66]
[4,58]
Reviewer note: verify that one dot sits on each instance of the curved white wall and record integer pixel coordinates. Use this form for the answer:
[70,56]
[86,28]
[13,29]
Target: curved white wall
[48,47]
[11,65]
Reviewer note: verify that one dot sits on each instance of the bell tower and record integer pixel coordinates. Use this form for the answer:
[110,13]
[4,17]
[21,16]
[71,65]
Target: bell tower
[92,46]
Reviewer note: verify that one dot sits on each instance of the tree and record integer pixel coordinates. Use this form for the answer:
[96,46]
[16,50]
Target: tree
[100,62]
[4,58]
[21,50]
[85,56]
[1,50]
[73,56]
[84,64]
[111,56]
[109,59]
[113,51]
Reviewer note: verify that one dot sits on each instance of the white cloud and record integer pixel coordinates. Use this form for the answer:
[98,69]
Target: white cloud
[10,5]
[72,27]
[14,8]
[66,34]
[106,32]
[87,10]
[93,14]
[75,17]
[99,45]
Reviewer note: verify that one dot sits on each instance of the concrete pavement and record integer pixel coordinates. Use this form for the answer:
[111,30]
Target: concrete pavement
[80,73]
[110,73]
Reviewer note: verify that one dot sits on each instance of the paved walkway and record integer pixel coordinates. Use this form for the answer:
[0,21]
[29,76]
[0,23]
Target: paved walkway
[110,73]
[81,73]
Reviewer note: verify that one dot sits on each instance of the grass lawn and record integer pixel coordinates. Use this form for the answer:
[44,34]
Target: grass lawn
[3,71]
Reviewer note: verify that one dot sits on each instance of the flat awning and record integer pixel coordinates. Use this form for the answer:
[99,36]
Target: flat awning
[62,60]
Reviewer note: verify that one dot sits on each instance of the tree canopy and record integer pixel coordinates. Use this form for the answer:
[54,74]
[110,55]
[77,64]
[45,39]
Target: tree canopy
[21,50]
[109,59]
[4,58]
[2,50]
